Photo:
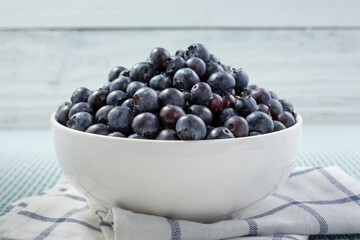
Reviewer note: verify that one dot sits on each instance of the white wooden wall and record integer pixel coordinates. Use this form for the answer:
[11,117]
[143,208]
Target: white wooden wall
[306,51]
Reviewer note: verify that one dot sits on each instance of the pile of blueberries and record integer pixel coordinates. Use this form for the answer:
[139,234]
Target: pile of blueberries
[188,96]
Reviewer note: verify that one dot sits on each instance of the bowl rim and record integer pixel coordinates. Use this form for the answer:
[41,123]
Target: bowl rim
[57,125]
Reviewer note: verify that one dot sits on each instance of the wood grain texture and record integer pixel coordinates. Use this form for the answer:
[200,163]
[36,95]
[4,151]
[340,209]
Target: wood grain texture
[319,71]
[185,13]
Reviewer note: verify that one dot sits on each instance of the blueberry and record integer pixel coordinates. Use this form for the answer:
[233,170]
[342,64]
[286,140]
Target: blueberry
[117,134]
[220,133]
[274,95]
[208,130]
[278,126]
[120,83]
[106,86]
[254,133]
[214,59]
[160,82]
[120,119]
[169,115]
[80,95]
[224,115]
[172,96]
[261,96]
[63,104]
[188,104]
[216,103]
[238,126]
[226,68]
[185,78]
[62,114]
[116,98]
[146,125]
[167,134]
[128,103]
[253,86]
[245,105]
[101,115]
[133,87]
[287,106]
[146,100]
[228,100]
[98,99]
[198,50]
[245,92]
[201,93]
[142,72]
[136,136]
[241,79]
[181,53]
[99,128]
[211,68]
[158,57]
[80,121]
[114,73]
[201,111]
[275,107]
[191,127]
[188,98]
[260,122]
[198,65]
[286,118]
[173,64]
[125,73]
[263,108]
[221,82]
[81,107]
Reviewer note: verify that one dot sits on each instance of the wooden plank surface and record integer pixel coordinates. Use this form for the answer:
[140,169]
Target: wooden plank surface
[319,71]
[185,13]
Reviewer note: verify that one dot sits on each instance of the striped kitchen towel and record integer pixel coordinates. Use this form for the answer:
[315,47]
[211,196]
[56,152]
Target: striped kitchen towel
[312,201]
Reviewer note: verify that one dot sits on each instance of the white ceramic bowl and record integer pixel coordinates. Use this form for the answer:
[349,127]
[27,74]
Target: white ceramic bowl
[203,180]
